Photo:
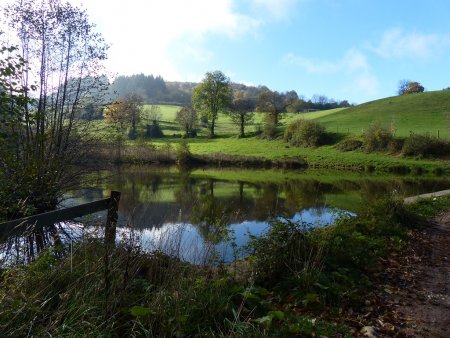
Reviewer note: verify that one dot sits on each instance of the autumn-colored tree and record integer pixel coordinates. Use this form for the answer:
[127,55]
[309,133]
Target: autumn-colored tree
[125,113]
[118,114]
[414,87]
[409,87]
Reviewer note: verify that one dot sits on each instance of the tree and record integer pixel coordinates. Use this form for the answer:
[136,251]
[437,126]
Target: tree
[62,54]
[153,115]
[274,104]
[118,115]
[187,118]
[414,87]
[320,100]
[212,95]
[403,86]
[134,107]
[409,87]
[125,113]
[242,112]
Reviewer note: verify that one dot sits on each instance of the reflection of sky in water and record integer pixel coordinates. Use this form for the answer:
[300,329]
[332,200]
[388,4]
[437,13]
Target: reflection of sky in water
[179,239]
[184,240]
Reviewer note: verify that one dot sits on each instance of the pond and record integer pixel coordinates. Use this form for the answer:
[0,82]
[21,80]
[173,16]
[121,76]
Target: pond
[186,213]
[196,214]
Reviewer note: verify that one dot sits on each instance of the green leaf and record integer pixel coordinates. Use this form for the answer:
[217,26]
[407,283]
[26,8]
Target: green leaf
[140,311]
[276,314]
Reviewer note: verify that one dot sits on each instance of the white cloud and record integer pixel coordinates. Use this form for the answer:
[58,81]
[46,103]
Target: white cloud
[143,33]
[312,66]
[353,68]
[396,43]
[279,9]
[365,85]
[353,61]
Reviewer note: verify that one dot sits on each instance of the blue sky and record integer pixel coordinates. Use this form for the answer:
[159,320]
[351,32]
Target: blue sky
[349,49]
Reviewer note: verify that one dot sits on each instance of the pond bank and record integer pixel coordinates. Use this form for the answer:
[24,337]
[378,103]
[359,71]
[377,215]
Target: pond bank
[312,158]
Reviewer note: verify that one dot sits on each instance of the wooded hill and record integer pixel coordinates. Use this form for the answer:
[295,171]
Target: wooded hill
[155,90]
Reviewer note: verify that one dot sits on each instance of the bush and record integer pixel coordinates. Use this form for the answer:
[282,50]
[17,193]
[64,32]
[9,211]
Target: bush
[269,131]
[377,138]
[349,144]
[424,146]
[153,131]
[305,133]
[284,251]
[395,145]
[183,153]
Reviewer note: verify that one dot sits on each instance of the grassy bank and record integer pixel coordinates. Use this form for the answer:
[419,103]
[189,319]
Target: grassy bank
[256,152]
[294,282]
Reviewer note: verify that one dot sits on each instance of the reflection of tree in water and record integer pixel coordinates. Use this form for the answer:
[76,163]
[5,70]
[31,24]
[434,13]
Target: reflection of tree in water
[306,194]
[22,245]
[210,217]
[267,202]
[161,196]
[187,192]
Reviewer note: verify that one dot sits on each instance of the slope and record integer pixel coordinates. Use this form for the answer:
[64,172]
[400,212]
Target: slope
[420,113]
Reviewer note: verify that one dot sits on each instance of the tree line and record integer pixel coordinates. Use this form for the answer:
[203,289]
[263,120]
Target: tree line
[155,90]
[215,94]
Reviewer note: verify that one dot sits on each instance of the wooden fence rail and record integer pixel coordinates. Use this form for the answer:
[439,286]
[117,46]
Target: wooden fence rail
[111,204]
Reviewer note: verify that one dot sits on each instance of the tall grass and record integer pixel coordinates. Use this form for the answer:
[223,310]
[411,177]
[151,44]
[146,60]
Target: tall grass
[296,276]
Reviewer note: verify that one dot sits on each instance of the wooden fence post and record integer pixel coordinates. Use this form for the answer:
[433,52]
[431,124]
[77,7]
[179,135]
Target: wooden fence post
[111,218]
[110,242]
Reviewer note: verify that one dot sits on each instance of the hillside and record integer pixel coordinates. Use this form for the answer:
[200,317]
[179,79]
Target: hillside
[421,113]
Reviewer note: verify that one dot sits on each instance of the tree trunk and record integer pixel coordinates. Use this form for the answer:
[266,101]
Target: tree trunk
[211,128]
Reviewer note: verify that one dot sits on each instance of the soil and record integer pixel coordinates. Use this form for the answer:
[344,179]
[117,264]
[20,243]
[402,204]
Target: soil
[411,296]
[428,310]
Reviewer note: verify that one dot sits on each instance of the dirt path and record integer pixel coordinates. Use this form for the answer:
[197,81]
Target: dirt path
[427,308]
[411,296]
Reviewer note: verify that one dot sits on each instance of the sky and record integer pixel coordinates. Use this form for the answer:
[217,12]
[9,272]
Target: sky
[355,50]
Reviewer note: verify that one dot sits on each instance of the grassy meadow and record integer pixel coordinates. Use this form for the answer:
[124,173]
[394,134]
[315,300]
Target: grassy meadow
[421,113]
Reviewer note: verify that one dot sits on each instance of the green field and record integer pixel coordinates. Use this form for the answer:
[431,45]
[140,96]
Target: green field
[421,113]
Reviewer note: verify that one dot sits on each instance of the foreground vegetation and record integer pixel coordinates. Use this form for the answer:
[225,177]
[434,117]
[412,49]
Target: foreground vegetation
[293,282]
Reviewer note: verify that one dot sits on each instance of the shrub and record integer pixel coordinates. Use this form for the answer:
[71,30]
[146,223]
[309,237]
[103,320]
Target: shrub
[377,138]
[305,133]
[269,130]
[183,153]
[424,146]
[395,145]
[349,144]
[283,252]
[153,130]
